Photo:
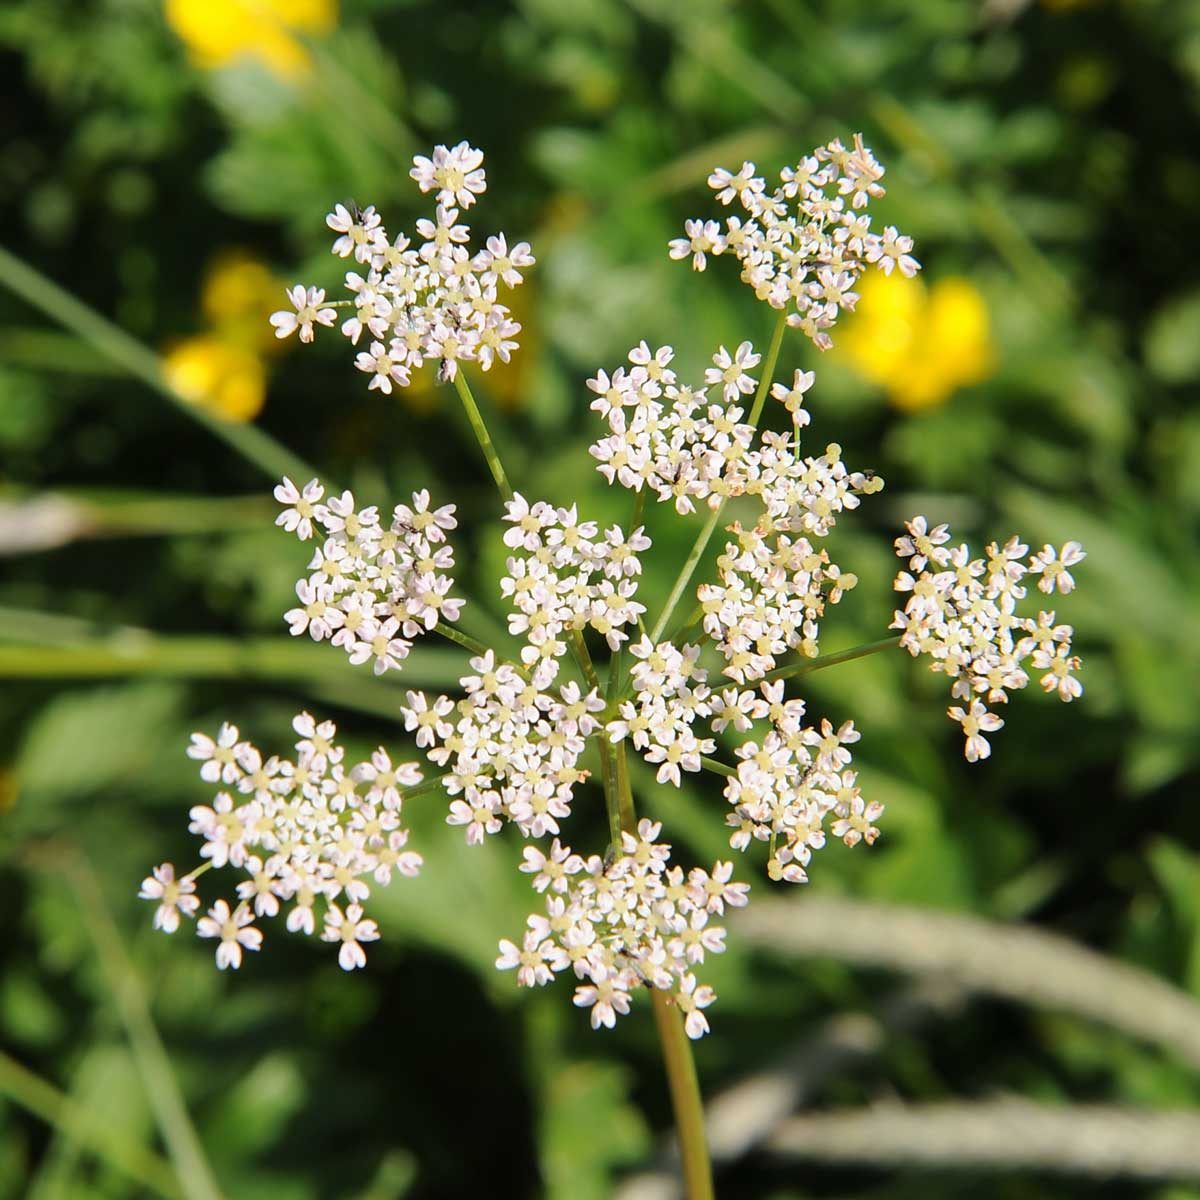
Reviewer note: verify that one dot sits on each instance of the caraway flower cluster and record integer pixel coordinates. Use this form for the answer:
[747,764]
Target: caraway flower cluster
[709,688]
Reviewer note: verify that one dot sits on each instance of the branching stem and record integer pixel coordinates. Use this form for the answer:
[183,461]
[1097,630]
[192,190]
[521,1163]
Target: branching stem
[807,665]
[673,1040]
[464,640]
[702,539]
[685,1097]
[475,417]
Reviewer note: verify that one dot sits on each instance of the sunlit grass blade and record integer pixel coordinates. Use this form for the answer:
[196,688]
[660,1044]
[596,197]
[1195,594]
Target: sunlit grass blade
[142,363]
[29,1091]
[1019,962]
[196,1178]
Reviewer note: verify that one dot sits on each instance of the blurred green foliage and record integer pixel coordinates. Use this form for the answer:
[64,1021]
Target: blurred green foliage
[1042,151]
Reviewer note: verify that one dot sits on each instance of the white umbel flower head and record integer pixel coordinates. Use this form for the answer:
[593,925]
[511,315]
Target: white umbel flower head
[425,298]
[620,923]
[803,246]
[309,827]
[313,835]
[963,613]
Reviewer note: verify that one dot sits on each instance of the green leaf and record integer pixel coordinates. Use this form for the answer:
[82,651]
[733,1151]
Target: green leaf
[94,739]
[28,1015]
[254,1112]
[589,1127]
[1178,874]
[1172,340]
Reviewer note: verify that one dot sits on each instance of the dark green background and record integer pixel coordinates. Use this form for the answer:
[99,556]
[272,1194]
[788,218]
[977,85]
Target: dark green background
[1045,151]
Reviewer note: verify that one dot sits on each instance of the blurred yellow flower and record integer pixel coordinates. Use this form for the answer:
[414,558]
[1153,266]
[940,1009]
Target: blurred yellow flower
[239,295]
[508,382]
[424,394]
[918,343]
[227,380]
[8,791]
[217,32]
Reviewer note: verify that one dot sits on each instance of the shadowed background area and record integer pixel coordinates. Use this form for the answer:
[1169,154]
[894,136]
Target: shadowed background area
[1001,994]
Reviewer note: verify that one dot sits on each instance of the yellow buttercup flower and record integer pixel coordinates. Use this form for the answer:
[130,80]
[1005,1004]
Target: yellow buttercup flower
[509,382]
[879,337]
[227,380]
[918,343]
[238,296]
[218,32]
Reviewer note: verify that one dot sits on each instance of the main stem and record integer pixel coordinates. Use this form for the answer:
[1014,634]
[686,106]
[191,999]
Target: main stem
[482,435]
[701,543]
[685,1097]
[673,1040]
[622,818]
[807,665]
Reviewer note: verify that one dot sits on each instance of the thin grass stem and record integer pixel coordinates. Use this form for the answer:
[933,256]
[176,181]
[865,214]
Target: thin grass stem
[142,363]
[196,1178]
[32,1093]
